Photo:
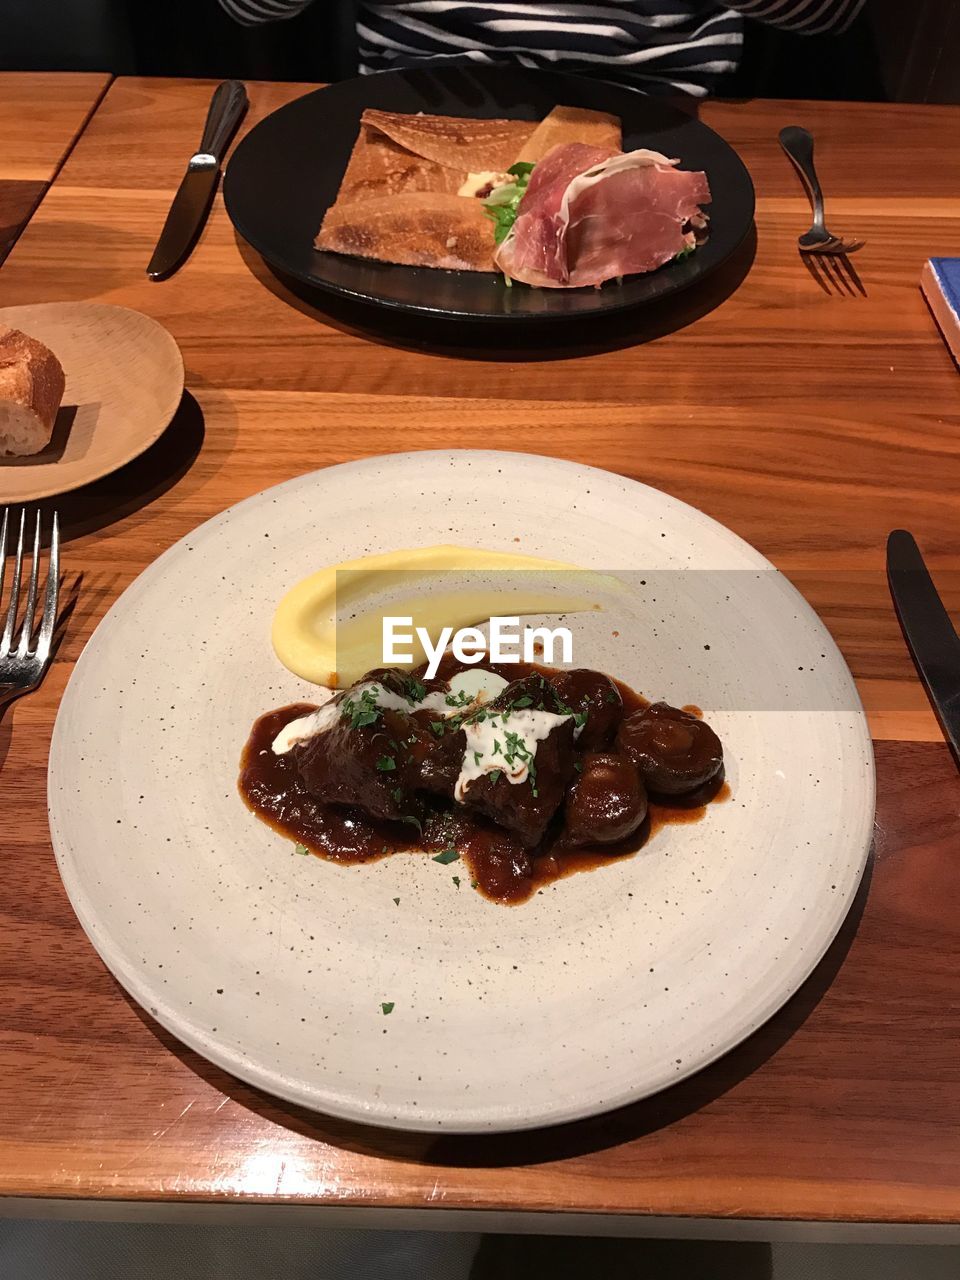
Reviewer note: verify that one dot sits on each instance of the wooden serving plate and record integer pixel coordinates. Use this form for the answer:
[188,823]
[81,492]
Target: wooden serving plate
[124,380]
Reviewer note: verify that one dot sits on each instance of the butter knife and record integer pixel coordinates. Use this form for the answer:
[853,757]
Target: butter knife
[929,633]
[192,202]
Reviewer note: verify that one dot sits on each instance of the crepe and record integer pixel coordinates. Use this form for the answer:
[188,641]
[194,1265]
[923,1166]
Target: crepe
[571,124]
[381,167]
[398,199]
[414,228]
[455,143]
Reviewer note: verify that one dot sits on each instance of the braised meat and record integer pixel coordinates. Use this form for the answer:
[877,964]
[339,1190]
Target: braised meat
[527,807]
[364,766]
[674,751]
[607,801]
[379,758]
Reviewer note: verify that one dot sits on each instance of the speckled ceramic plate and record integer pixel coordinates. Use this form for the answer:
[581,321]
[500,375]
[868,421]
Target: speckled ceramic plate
[608,985]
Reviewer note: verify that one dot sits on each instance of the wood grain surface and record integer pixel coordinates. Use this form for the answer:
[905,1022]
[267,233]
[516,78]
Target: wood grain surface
[41,115]
[810,421]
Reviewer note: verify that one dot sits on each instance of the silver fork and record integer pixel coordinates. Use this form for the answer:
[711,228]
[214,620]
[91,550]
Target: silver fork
[23,661]
[798,144]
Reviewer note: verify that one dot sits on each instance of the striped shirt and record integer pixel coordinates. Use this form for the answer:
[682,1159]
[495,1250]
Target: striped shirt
[673,46]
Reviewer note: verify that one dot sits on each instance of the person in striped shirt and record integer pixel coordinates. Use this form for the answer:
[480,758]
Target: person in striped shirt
[673,46]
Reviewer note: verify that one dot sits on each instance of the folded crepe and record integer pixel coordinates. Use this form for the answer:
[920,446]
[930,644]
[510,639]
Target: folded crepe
[398,199]
[455,143]
[413,228]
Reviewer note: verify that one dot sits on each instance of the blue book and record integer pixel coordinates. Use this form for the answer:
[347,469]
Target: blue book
[940,282]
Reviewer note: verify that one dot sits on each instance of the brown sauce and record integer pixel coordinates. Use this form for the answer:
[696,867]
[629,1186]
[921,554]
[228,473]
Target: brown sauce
[491,859]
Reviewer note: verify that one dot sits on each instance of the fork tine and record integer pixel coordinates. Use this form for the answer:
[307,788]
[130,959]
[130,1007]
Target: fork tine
[831,265]
[812,262]
[844,262]
[14,591]
[27,628]
[51,594]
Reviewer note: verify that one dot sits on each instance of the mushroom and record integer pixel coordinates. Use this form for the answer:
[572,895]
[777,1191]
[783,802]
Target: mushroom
[674,751]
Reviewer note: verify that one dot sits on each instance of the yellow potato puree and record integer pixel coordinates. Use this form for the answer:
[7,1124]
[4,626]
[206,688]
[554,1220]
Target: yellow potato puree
[309,643]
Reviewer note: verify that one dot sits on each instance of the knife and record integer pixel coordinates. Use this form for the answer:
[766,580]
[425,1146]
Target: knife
[195,194]
[928,631]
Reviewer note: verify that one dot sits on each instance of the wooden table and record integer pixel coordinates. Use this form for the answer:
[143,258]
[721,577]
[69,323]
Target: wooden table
[809,422]
[41,115]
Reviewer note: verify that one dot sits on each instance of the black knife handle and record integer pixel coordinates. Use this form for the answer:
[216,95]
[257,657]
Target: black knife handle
[928,630]
[227,108]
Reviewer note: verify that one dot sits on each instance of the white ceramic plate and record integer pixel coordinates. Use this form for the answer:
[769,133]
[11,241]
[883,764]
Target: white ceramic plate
[604,988]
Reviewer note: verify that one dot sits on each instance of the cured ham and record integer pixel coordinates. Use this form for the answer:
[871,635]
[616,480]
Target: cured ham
[587,218]
[534,249]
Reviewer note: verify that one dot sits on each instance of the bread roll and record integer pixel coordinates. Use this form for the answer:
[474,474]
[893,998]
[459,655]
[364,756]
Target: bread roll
[31,388]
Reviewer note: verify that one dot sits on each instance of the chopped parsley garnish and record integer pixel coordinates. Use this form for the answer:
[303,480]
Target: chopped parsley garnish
[477,757]
[414,821]
[300,848]
[397,794]
[386,764]
[462,699]
[387,1007]
[456,881]
[396,902]
[516,750]
[578,766]
[525,701]
[494,775]
[363,711]
[580,719]
[438,728]
[496,747]
[474,884]
[446,857]
[416,691]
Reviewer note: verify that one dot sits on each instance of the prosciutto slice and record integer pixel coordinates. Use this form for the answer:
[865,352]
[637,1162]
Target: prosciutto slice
[534,249]
[613,216]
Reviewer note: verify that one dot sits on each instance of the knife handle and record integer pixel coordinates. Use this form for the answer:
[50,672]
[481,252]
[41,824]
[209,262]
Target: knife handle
[227,109]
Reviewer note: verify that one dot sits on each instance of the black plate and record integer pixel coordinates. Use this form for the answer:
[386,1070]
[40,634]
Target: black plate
[286,173]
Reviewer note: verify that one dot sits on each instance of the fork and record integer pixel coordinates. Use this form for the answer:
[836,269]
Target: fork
[22,667]
[798,144]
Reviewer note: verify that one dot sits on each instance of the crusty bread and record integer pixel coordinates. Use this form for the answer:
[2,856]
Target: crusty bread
[31,388]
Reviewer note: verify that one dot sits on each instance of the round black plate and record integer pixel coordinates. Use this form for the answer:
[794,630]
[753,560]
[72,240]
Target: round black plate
[286,173]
